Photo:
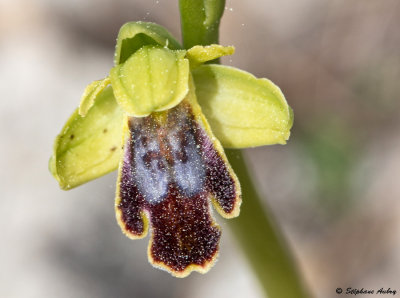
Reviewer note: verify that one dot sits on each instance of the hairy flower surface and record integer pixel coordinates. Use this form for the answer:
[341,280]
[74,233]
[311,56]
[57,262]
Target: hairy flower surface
[163,117]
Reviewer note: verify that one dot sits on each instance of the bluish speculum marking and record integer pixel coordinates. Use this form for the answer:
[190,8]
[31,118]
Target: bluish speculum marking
[165,152]
[151,172]
[188,167]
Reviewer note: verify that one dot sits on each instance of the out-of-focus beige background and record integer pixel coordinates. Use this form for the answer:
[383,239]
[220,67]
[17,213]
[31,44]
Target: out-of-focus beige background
[334,188]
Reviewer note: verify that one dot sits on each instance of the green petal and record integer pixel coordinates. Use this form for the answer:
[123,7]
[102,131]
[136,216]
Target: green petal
[133,35]
[151,80]
[90,94]
[201,54]
[88,147]
[243,111]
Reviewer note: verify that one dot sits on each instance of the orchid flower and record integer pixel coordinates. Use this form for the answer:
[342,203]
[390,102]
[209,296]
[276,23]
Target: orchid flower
[162,117]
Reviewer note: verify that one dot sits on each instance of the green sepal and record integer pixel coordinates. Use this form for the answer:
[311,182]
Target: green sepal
[153,79]
[243,111]
[198,55]
[88,147]
[90,94]
[134,35]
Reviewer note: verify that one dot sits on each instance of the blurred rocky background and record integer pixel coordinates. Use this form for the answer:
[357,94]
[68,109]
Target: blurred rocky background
[334,188]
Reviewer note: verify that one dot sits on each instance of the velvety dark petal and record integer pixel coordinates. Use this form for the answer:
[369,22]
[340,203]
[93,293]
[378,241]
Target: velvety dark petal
[220,181]
[185,236]
[129,201]
[170,171]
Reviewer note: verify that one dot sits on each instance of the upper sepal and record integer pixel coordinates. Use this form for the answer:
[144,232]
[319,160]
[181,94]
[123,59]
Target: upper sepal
[134,35]
[243,111]
[153,79]
[88,147]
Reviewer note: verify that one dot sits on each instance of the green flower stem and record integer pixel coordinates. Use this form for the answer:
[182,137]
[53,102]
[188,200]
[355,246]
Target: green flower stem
[261,240]
[258,235]
[200,21]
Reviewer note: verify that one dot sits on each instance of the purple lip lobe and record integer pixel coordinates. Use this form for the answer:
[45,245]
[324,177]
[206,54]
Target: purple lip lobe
[170,169]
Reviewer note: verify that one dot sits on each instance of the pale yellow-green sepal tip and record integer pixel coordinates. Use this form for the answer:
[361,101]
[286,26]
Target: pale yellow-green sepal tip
[243,111]
[198,55]
[153,79]
[88,147]
[133,35]
[90,94]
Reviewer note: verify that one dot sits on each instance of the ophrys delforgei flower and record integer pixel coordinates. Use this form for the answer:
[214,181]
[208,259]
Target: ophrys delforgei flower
[162,117]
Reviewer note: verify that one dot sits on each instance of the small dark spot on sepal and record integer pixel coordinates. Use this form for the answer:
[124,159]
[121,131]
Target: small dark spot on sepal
[105,130]
[72,137]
